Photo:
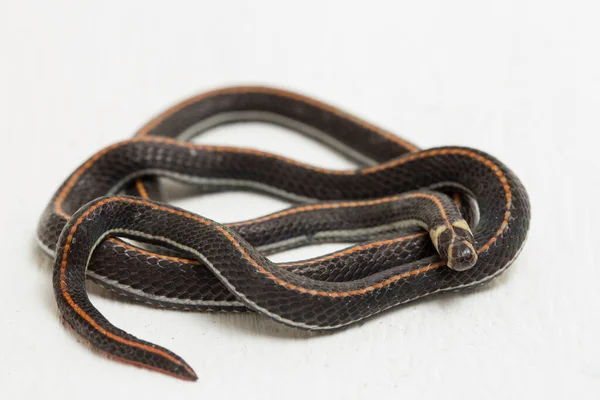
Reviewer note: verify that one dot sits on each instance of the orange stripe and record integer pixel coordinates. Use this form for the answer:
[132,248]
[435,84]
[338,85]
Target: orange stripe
[431,153]
[141,189]
[353,250]
[89,319]
[298,210]
[258,267]
[345,204]
[456,198]
[313,292]
[315,207]
[467,153]
[104,353]
[81,170]
[149,253]
[438,203]
[77,174]
[277,92]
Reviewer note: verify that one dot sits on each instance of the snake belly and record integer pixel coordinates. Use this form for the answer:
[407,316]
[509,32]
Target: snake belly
[409,234]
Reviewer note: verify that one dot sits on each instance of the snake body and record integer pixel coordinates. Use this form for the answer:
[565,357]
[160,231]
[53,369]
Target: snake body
[427,221]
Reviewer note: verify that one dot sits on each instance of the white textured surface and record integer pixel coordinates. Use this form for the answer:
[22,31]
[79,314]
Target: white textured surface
[519,79]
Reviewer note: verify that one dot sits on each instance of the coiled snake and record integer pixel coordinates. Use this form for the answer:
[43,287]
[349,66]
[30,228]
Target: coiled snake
[427,221]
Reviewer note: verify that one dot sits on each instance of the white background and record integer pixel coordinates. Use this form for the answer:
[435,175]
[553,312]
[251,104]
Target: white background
[518,79]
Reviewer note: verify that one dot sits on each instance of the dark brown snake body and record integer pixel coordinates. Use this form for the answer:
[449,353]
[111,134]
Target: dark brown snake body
[398,207]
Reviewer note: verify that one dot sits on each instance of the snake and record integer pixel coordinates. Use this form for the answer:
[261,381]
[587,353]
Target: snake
[424,222]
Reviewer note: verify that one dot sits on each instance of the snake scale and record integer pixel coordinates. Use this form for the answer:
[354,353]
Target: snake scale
[425,221]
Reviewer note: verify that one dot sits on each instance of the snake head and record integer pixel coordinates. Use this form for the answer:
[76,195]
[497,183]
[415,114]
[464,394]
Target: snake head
[455,244]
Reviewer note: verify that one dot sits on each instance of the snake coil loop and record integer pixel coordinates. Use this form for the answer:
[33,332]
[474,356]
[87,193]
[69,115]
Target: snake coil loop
[427,221]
